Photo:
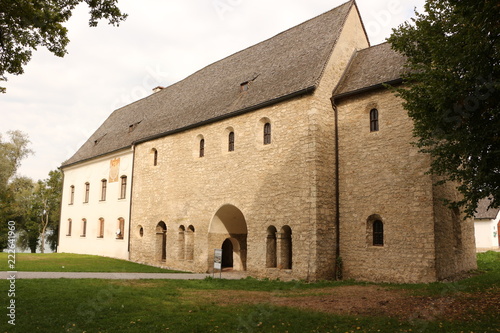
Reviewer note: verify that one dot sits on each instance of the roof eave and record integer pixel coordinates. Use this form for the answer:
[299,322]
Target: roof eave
[305,91]
[367,89]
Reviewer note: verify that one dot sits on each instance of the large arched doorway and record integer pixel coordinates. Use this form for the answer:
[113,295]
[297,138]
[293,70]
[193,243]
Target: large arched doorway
[228,230]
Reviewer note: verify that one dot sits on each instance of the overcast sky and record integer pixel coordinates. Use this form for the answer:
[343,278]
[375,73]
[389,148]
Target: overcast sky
[60,102]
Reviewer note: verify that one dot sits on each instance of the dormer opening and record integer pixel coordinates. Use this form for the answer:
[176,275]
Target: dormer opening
[244,86]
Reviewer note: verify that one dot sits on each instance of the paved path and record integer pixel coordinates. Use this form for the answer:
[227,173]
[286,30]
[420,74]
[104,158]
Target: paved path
[117,276]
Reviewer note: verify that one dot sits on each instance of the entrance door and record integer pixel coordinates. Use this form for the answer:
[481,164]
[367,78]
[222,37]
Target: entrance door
[227,254]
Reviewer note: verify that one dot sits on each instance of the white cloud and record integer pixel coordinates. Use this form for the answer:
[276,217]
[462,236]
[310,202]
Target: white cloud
[59,102]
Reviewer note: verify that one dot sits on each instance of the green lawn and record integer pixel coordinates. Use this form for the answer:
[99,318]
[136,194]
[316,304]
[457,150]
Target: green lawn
[66,262]
[88,305]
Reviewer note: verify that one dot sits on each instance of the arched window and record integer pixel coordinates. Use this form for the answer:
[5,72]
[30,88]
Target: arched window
[101,228]
[286,247]
[70,221]
[87,193]
[202,147]
[123,187]
[231,141]
[104,186]
[155,156]
[190,243]
[378,233]
[271,253]
[374,120]
[267,133]
[84,228]
[121,228]
[72,194]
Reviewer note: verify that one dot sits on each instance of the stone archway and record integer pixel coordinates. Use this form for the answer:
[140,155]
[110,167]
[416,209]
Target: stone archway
[228,230]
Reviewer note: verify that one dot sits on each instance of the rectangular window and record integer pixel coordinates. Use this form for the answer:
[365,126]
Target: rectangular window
[123,187]
[104,185]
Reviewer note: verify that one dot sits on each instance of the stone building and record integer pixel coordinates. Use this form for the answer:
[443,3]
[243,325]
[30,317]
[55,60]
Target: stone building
[291,157]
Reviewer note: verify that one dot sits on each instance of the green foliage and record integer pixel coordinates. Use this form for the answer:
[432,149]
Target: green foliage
[453,93]
[47,206]
[11,154]
[26,25]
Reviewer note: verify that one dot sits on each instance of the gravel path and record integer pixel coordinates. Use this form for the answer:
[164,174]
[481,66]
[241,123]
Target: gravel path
[117,276]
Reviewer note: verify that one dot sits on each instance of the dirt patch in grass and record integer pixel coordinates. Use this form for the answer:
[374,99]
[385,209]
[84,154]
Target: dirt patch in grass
[363,301]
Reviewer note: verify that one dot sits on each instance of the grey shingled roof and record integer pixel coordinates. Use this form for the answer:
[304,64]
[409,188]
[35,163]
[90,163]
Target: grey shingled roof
[482,211]
[369,68]
[285,65]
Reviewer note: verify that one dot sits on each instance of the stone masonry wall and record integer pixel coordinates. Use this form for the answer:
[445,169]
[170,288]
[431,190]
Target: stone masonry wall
[383,177]
[454,235]
[287,183]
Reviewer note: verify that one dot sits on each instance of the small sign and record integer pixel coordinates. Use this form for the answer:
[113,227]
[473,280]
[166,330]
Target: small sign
[218,259]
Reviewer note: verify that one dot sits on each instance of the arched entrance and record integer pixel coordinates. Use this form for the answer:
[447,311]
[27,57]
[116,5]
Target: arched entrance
[228,230]
[227,254]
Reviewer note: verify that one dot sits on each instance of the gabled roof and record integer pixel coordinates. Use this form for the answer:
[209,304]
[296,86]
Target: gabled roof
[370,68]
[482,211]
[281,67]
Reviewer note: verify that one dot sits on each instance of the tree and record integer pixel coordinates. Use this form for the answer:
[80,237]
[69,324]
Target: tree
[47,206]
[11,154]
[26,25]
[23,212]
[452,93]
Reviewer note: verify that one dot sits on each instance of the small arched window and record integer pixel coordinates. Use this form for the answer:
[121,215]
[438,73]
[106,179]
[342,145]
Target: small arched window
[84,228]
[378,233]
[121,228]
[202,147]
[101,228]
[70,221]
[267,133]
[155,156]
[72,194]
[374,126]
[87,192]
[231,141]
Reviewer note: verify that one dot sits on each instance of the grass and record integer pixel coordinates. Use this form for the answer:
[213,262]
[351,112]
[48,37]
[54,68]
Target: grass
[88,305]
[66,262]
